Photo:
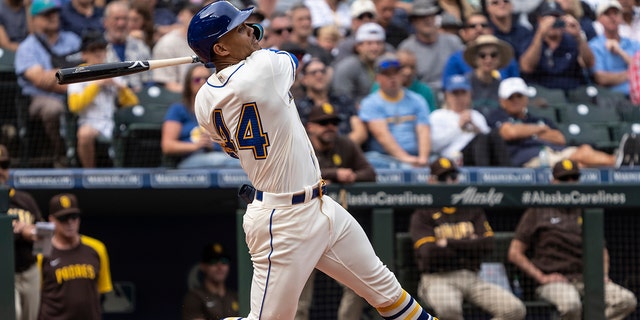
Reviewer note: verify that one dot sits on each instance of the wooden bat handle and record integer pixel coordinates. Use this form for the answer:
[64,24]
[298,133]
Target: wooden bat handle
[161,63]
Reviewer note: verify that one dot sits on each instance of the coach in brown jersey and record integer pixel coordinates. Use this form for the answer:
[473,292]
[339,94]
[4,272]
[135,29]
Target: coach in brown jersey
[449,243]
[77,271]
[554,236]
[25,209]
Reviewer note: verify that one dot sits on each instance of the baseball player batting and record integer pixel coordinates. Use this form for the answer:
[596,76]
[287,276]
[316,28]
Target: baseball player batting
[291,226]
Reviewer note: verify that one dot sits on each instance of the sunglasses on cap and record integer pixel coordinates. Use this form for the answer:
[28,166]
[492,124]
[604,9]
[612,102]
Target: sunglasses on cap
[571,177]
[449,176]
[327,122]
[4,164]
[281,30]
[67,217]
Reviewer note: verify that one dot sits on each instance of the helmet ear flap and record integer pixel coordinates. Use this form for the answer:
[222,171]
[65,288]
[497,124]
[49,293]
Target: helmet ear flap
[258,30]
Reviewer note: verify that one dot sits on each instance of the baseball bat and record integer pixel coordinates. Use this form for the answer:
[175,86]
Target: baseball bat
[116,69]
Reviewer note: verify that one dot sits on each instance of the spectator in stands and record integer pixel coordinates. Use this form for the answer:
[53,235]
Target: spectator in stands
[79,15]
[96,101]
[392,19]
[455,12]
[182,137]
[26,211]
[529,137]
[354,74]
[316,78]
[77,272]
[362,11]
[458,131]
[164,20]
[558,56]
[15,23]
[341,161]
[328,39]
[212,299]
[476,25]
[171,45]
[630,26]
[576,8]
[122,46]
[35,68]
[486,55]
[433,47]
[278,31]
[408,62]
[329,12]
[553,236]
[302,33]
[449,244]
[140,25]
[398,120]
[506,26]
[612,51]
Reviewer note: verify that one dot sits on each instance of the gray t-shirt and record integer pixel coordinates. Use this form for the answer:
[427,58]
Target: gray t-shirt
[13,22]
[432,57]
[352,77]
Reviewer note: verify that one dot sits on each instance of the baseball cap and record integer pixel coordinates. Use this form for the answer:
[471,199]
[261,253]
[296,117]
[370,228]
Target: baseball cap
[424,8]
[359,7]
[605,5]
[324,112]
[213,253]
[4,153]
[370,31]
[442,166]
[44,6]
[386,62]
[549,8]
[457,82]
[564,168]
[63,204]
[513,85]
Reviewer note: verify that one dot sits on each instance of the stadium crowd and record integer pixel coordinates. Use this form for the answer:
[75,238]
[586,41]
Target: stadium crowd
[483,83]
[571,54]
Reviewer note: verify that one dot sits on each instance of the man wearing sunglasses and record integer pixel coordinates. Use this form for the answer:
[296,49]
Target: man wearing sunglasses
[25,209]
[449,244]
[76,273]
[554,238]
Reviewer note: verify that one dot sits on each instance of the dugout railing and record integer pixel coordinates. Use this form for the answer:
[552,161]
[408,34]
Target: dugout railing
[384,199]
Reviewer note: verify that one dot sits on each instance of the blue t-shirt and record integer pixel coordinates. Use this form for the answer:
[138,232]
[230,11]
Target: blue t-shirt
[14,22]
[519,36]
[610,62]
[190,130]
[457,65]
[402,117]
[522,150]
[72,20]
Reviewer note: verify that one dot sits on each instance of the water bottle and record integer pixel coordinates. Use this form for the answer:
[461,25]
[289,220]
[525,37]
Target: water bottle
[517,289]
[543,155]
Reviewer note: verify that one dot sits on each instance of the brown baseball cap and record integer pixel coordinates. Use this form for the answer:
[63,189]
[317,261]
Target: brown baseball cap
[565,167]
[4,153]
[63,204]
[324,112]
[213,253]
[443,165]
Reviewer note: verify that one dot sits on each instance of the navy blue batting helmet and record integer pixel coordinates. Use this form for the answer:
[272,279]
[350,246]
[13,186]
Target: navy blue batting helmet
[211,23]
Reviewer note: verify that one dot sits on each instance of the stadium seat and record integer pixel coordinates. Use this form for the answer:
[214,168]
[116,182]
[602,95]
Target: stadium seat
[596,135]
[619,129]
[588,113]
[597,95]
[137,136]
[550,112]
[543,96]
[157,97]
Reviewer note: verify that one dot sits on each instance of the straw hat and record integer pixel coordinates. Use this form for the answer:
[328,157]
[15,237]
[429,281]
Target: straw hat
[504,50]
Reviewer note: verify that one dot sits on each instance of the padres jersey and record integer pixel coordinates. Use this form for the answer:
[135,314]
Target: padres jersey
[264,131]
[72,281]
[201,304]
[24,207]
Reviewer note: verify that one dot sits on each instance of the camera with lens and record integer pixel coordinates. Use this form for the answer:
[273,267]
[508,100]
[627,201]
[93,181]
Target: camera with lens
[559,23]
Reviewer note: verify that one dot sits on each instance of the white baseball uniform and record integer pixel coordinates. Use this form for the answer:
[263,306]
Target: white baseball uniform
[290,227]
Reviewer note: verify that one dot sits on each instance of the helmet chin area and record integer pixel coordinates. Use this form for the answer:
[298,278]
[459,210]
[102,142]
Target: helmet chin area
[258,30]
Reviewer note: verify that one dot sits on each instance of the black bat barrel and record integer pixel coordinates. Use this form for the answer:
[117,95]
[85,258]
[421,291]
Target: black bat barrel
[100,71]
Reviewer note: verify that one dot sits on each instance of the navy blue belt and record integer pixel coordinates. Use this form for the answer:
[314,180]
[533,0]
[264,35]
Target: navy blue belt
[299,197]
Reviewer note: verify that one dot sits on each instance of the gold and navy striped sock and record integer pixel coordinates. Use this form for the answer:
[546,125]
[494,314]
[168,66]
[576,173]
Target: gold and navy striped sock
[405,308]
